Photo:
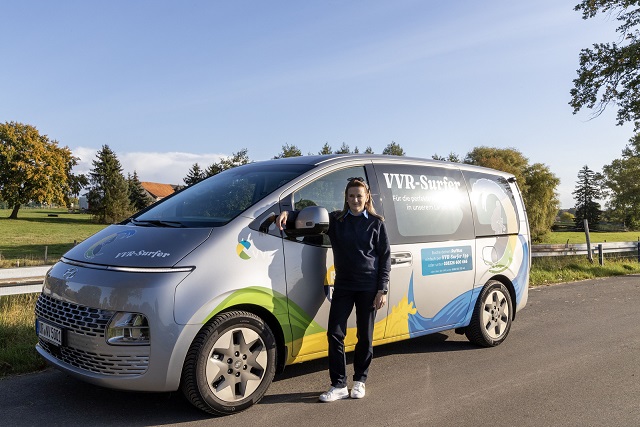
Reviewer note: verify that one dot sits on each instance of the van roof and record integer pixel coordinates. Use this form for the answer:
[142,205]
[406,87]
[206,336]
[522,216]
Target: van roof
[329,159]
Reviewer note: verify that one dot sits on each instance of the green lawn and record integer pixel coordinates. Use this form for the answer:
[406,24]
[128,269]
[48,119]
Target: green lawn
[23,240]
[595,237]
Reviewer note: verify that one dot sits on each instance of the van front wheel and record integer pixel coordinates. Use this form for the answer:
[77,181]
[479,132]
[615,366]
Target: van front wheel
[492,315]
[230,363]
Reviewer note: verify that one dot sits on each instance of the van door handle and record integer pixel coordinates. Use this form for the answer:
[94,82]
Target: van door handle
[401,258]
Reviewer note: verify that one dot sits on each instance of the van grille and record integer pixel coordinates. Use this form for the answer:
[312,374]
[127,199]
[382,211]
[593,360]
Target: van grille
[92,324]
[77,318]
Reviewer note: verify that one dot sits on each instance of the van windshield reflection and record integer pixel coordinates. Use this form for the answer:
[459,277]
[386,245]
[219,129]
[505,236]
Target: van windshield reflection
[220,198]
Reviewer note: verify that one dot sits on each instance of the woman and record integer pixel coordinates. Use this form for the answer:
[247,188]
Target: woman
[362,260]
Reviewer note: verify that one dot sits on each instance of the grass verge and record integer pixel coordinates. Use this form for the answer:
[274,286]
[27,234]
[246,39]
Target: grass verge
[549,270]
[18,336]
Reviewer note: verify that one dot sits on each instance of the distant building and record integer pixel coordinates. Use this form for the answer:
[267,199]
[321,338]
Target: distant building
[158,191]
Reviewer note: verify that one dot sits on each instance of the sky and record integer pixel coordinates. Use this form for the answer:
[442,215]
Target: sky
[166,84]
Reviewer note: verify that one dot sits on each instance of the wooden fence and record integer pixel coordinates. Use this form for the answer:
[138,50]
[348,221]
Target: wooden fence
[586,249]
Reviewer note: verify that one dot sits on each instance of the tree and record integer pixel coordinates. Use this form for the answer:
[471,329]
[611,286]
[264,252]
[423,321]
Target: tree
[32,167]
[452,157]
[368,150]
[138,196]
[195,175]
[344,149]
[609,73]
[587,190]
[540,199]
[623,187]
[108,195]
[393,149]
[502,159]
[289,151]
[236,159]
[326,149]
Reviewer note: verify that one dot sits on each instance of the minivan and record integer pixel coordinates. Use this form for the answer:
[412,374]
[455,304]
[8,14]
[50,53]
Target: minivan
[202,292]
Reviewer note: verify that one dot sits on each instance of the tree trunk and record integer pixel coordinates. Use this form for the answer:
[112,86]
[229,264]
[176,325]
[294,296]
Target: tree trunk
[14,213]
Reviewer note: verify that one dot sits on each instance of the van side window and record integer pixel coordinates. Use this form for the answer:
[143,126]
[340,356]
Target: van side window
[328,192]
[427,203]
[493,203]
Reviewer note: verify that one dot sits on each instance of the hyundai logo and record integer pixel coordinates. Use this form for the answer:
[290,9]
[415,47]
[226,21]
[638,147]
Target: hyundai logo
[70,273]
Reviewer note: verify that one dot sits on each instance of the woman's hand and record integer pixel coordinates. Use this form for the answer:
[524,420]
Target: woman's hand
[380,300]
[281,221]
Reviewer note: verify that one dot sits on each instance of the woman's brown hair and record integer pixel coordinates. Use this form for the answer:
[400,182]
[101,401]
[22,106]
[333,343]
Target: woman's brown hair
[359,182]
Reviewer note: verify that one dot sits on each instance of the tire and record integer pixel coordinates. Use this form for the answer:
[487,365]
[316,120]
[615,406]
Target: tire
[492,316]
[230,363]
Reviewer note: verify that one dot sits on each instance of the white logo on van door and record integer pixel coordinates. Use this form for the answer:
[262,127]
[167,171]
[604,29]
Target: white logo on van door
[423,182]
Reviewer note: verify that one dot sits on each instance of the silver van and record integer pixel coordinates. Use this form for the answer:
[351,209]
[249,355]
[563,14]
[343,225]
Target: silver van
[203,292]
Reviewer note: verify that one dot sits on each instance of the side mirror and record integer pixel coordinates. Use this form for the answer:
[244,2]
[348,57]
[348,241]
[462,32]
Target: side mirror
[311,221]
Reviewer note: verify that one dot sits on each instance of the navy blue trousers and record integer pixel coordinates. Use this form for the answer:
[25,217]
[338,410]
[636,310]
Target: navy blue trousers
[342,303]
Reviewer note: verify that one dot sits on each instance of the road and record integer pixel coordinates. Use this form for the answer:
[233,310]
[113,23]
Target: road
[572,359]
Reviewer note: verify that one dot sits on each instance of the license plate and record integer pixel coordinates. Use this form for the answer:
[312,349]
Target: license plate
[50,333]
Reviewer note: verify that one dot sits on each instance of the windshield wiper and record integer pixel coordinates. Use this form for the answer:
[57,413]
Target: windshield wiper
[157,223]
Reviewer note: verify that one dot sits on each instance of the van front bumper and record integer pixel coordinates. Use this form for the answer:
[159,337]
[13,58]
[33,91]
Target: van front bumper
[81,301]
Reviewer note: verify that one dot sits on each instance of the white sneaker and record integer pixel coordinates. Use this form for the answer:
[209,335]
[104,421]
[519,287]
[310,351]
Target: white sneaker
[357,392]
[334,393]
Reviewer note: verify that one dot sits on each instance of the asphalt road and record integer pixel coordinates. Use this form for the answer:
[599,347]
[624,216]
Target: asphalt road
[572,359]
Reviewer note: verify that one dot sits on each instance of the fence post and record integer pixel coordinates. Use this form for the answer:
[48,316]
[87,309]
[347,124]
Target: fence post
[600,254]
[46,249]
[586,232]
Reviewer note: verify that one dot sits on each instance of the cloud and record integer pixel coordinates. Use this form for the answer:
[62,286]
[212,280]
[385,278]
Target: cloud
[166,168]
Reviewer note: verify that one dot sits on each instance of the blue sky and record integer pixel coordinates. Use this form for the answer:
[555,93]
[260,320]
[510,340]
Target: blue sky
[167,84]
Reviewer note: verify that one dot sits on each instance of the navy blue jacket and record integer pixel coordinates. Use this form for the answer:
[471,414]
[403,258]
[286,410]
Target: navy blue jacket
[361,252]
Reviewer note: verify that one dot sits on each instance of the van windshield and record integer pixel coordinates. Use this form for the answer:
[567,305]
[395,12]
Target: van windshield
[217,200]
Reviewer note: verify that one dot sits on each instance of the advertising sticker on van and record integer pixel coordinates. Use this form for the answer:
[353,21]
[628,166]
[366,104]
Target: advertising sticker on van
[446,260]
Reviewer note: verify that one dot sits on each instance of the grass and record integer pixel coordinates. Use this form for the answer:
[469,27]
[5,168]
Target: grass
[549,270]
[595,237]
[18,336]
[23,240]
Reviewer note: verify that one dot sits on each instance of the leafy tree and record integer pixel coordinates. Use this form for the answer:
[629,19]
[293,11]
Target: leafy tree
[393,149]
[236,159]
[289,151]
[108,196]
[540,199]
[587,190]
[138,196]
[623,186]
[195,175]
[368,150]
[326,149]
[503,159]
[609,73]
[32,167]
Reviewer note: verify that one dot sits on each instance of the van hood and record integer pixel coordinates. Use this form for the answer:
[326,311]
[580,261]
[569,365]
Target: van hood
[131,246]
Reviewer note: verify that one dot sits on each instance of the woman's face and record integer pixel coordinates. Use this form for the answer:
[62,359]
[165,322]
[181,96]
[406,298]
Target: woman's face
[356,199]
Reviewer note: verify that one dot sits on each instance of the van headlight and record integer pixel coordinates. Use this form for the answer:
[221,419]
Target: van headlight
[128,329]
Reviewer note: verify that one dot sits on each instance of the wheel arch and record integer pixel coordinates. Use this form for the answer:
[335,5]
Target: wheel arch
[512,290]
